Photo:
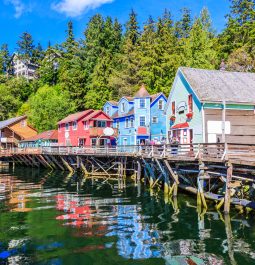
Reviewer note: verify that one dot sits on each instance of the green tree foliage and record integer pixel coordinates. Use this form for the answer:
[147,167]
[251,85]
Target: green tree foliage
[26,46]
[110,62]
[47,106]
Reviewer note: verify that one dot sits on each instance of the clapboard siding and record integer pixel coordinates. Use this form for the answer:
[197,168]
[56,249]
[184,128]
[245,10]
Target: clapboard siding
[242,124]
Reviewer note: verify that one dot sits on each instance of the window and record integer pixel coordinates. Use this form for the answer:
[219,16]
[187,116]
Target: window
[100,124]
[126,123]
[142,121]
[123,107]
[142,103]
[117,124]
[131,122]
[75,125]
[67,126]
[93,141]
[107,110]
[160,104]
[173,107]
[190,102]
[86,125]
[155,119]
[23,123]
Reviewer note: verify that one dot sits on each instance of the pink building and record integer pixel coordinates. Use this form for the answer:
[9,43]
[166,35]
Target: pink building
[86,128]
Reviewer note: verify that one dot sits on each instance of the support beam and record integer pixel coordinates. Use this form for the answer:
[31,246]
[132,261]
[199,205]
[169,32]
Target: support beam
[228,188]
[66,164]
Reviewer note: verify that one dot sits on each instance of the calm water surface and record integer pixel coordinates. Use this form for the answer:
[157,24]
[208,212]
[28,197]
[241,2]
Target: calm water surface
[47,218]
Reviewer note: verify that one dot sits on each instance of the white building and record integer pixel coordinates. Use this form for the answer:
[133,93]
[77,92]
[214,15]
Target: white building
[23,67]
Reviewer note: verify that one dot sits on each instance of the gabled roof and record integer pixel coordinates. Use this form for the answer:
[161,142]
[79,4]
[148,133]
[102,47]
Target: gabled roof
[11,121]
[142,92]
[131,112]
[48,135]
[156,96]
[112,102]
[76,116]
[218,86]
[94,114]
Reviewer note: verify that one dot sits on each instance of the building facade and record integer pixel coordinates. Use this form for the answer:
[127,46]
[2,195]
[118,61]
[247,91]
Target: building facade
[209,106]
[139,119]
[44,139]
[14,130]
[23,67]
[86,128]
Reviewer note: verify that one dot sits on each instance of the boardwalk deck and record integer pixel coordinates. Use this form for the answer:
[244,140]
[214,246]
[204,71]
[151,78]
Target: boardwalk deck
[220,172]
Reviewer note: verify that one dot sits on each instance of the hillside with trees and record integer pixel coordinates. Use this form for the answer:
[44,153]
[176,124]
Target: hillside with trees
[112,60]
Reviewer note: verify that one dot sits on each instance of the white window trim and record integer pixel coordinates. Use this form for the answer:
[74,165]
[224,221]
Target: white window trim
[162,104]
[67,130]
[107,110]
[132,123]
[122,106]
[156,119]
[144,121]
[140,103]
[127,123]
[86,125]
[74,129]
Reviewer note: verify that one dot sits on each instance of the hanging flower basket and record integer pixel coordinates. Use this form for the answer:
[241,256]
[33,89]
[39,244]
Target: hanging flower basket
[189,115]
[173,118]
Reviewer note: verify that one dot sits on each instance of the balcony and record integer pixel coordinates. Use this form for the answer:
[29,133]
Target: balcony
[8,140]
[97,132]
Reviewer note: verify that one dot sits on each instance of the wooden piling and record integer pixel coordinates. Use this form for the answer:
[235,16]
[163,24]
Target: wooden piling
[228,189]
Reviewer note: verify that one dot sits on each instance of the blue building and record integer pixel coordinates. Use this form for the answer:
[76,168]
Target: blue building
[139,119]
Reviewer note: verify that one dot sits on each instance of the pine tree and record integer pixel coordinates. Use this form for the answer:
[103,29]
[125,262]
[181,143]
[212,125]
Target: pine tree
[125,78]
[26,46]
[4,58]
[38,54]
[70,46]
[183,26]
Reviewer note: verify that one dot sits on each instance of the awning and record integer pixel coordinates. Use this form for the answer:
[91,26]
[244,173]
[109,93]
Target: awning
[180,126]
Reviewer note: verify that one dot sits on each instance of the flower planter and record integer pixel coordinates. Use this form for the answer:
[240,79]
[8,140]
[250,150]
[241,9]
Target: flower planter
[189,115]
[172,118]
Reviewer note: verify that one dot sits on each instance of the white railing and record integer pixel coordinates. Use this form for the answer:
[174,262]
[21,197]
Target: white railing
[181,151]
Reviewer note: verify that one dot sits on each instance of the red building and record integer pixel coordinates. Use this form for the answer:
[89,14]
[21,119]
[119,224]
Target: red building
[86,128]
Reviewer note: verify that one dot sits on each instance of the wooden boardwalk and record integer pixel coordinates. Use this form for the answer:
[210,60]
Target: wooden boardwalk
[224,173]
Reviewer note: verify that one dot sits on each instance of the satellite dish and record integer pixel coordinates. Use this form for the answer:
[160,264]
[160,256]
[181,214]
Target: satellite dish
[66,134]
[108,131]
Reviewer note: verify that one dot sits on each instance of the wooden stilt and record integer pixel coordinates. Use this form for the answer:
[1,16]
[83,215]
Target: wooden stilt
[174,190]
[66,164]
[228,189]
[57,163]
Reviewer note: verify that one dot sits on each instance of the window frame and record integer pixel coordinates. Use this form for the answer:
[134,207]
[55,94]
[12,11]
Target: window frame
[144,121]
[67,126]
[190,103]
[132,122]
[162,104]
[173,108]
[122,106]
[154,122]
[140,105]
[76,125]
[127,123]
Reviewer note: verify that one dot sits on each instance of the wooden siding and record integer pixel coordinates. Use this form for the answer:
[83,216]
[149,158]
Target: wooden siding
[24,131]
[242,124]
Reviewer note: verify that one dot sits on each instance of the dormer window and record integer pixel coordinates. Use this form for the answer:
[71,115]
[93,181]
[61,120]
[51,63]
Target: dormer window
[142,103]
[123,107]
[67,126]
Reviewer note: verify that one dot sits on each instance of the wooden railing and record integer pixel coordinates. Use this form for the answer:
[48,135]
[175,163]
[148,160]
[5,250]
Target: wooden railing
[206,151]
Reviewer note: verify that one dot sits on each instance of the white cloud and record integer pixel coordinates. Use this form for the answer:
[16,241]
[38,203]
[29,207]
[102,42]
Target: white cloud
[18,6]
[74,8]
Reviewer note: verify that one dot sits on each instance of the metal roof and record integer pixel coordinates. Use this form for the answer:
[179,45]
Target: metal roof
[218,86]
[9,122]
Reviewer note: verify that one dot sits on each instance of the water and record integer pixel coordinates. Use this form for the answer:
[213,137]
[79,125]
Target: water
[47,218]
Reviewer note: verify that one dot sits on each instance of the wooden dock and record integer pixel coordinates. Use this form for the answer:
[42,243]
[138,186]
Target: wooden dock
[223,173]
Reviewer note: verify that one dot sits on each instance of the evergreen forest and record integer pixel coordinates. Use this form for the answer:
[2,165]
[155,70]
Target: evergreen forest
[112,60]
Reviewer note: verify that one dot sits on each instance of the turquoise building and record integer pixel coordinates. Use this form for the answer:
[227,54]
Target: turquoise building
[139,119]
[210,106]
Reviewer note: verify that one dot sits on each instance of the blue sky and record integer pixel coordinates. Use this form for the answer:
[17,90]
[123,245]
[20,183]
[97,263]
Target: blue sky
[46,19]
